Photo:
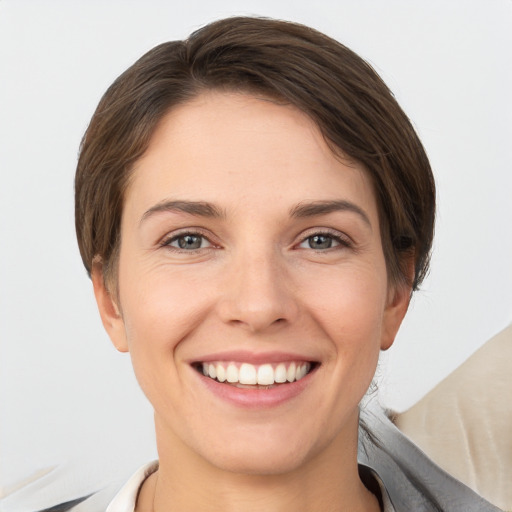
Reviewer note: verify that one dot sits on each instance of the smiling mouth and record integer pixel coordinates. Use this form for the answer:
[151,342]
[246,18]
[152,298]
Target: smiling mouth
[246,375]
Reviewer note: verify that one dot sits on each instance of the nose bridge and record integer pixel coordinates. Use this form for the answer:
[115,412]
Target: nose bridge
[257,293]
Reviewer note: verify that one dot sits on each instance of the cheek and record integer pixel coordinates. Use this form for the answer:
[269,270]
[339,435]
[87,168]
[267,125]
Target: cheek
[350,305]
[154,323]
[351,315]
[158,303]
[160,310]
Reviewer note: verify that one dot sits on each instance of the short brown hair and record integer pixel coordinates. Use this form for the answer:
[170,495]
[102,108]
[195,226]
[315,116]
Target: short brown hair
[355,111]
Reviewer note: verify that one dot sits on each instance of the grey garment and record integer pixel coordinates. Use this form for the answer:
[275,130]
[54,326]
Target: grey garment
[412,481]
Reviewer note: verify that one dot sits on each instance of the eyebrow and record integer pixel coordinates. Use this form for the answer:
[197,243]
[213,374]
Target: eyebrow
[301,210]
[199,208]
[324,207]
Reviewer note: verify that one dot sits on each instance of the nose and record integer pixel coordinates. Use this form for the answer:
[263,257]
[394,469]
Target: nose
[258,293]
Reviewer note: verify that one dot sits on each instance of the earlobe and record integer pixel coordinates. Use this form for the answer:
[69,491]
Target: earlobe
[108,308]
[398,303]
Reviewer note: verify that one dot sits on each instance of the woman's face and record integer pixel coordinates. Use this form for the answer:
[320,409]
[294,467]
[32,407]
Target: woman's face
[251,253]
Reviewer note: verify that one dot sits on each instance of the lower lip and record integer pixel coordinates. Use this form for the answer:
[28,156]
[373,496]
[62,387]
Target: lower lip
[256,398]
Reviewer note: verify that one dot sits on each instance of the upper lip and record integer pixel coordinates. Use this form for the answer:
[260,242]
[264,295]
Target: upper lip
[244,356]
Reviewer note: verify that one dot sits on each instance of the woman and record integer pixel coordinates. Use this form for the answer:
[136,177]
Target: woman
[255,210]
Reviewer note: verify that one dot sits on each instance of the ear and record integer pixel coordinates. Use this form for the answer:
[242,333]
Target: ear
[399,296]
[109,310]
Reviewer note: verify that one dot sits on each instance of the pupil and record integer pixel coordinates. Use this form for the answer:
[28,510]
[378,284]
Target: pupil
[320,242]
[189,242]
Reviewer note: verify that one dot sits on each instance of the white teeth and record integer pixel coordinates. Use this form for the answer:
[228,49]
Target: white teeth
[221,373]
[302,370]
[265,375]
[232,373]
[247,374]
[280,373]
[291,373]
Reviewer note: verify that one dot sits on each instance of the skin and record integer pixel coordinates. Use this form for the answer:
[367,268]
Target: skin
[259,283]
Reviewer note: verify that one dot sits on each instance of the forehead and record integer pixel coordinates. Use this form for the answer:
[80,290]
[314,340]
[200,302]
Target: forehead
[241,146]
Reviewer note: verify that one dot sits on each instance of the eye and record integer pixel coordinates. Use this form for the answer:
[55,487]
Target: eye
[188,242]
[319,242]
[323,241]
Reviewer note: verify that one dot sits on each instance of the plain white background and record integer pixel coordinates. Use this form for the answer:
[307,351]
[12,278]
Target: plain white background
[65,393]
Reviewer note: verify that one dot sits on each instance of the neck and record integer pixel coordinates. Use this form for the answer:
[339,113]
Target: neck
[329,482]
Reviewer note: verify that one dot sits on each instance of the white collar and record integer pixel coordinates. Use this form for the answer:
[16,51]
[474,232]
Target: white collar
[126,498]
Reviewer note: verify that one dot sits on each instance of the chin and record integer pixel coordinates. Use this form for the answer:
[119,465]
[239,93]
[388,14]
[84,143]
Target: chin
[267,451]
[260,461]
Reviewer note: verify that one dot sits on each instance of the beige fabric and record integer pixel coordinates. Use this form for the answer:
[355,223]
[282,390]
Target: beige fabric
[465,423]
